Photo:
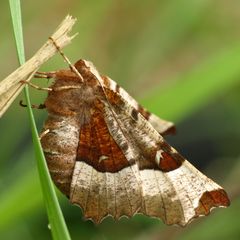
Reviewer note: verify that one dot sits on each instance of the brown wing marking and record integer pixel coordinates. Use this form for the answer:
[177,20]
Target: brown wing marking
[98,148]
[209,199]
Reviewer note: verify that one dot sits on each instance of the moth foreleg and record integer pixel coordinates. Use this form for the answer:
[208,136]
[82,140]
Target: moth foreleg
[36,86]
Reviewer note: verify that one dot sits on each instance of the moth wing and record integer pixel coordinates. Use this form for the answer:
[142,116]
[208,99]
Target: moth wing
[172,189]
[124,167]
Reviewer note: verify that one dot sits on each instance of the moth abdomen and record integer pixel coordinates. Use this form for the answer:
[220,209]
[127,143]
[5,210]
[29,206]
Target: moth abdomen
[59,145]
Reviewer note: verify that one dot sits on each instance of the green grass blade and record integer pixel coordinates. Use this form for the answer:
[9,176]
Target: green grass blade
[17,27]
[57,223]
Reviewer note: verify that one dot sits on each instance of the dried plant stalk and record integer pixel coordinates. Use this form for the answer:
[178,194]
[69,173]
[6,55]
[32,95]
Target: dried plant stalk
[11,86]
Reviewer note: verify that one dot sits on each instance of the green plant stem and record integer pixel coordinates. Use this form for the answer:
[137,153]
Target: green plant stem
[57,223]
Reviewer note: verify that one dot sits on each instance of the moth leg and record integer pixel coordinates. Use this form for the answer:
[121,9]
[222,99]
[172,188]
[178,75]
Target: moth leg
[50,89]
[36,86]
[47,75]
[56,89]
[40,106]
[42,134]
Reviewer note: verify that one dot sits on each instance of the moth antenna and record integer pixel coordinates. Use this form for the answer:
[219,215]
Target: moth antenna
[72,67]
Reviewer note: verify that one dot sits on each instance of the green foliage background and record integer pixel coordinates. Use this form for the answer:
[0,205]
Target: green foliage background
[179,58]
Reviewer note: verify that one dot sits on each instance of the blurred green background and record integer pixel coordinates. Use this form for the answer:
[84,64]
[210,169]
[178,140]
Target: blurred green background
[179,58]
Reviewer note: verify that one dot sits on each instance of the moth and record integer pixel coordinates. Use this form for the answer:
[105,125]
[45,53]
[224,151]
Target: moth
[106,153]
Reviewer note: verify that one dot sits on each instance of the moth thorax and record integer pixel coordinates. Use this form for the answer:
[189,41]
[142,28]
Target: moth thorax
[87,93]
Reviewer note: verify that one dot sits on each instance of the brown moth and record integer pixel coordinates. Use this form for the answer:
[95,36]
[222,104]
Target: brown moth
[106,153]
